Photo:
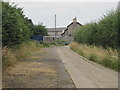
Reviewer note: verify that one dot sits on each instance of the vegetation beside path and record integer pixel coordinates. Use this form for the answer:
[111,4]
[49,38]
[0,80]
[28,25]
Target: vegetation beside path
[16,32]
[21,52]
[104,32]
[106,57]
[16,27]
[99,41]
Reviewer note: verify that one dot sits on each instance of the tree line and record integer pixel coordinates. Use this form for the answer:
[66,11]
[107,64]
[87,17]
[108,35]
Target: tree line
[16,27]
[102,33]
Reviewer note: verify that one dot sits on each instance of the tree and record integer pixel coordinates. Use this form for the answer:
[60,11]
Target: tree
[16,27]
[103,33]
[40,30]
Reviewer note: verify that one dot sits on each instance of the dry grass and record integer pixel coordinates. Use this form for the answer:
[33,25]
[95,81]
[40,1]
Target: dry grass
[8,58]
[107,57]
[11,55]
[25,50]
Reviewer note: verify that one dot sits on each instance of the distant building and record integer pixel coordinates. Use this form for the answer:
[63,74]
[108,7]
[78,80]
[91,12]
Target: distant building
[58,31]
[65,33]
[68,33]
[50,39]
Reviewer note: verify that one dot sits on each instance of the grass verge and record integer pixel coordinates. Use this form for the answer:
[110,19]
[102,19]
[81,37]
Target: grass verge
[106,57]
[22,52]
[17,53]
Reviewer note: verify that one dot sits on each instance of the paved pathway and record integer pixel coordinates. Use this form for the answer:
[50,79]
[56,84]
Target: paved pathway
[86,74]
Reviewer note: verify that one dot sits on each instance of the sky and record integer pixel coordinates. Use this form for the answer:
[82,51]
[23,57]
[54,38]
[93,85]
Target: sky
[44,12]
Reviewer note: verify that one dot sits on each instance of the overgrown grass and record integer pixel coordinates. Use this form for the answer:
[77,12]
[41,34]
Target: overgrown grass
[22,52]
[17,53]
[8,58]
[106,57]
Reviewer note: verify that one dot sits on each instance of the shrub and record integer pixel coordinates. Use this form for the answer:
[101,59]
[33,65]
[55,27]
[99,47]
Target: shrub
[40,30]
[16,28]
[102,33]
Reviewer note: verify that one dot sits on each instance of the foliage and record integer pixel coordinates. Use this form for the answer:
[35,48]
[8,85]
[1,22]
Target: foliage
[16,27]
[103,33]
[105,57]
[40,30]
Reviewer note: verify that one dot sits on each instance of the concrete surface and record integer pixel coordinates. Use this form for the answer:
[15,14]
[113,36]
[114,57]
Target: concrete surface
[86,74]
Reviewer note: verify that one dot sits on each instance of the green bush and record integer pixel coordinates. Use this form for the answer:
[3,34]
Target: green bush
[16,28]
[40,30]
[102,33]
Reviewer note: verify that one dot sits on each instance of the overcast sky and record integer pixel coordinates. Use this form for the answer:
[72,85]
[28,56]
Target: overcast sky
[65,11]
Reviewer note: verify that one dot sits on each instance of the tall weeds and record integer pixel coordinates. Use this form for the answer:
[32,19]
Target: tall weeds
[17,53]
[106,57]
[8,58]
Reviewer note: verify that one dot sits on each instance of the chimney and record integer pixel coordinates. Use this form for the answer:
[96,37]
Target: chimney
[75,19]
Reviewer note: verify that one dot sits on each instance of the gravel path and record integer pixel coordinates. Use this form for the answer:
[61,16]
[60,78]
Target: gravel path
[43,70]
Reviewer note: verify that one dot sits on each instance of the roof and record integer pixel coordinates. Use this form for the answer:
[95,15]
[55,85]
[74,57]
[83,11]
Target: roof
[68,26]
[72,23]
[57,29]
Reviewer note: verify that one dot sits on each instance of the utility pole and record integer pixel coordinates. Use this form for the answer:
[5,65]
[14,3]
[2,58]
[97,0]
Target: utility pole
[55,26]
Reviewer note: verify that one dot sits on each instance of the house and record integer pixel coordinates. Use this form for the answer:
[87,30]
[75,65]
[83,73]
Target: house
[68,33]
[57,32]
[64,33]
